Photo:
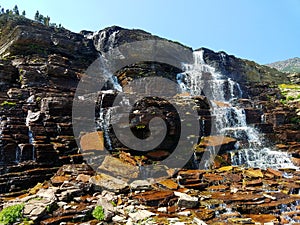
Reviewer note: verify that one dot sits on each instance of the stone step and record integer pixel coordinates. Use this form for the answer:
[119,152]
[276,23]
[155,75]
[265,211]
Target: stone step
[16,181]
[154,198]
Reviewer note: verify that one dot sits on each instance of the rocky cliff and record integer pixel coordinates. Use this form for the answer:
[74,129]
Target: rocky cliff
[40,68]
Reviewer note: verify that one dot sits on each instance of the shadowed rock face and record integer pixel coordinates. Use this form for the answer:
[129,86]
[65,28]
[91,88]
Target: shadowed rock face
[40,68]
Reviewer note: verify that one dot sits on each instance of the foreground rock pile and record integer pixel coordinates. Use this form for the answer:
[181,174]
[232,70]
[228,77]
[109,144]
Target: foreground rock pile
[228,195]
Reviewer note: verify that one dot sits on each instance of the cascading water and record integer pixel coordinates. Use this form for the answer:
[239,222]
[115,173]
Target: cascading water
[31,116]
[104,120]
[18,155]
[229,120]
[31,141]
[109,77]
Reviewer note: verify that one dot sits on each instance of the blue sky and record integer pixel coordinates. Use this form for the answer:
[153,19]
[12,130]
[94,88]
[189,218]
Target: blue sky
[261,30]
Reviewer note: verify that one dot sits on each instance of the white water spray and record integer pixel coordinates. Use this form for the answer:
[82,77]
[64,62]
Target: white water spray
[229,119]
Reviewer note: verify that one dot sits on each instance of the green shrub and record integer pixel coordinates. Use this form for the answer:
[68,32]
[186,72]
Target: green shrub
[9,104]
[283,101]
[295,120]
[141,126]
[284,93]
[98,213]
[11,214]
[38,99]
[51,208]
[290,98]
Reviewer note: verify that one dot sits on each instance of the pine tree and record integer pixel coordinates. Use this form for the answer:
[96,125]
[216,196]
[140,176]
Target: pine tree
[2,11]
[41,18]
[37,16]
[16,10]
[46,20]
[24,13]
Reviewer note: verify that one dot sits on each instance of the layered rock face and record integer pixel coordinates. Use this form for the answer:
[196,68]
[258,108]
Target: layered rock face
[40,69]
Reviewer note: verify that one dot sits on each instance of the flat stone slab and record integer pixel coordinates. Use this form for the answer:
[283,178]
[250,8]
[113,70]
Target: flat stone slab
[119,168]
[92,141]
[107,182]
[154,198]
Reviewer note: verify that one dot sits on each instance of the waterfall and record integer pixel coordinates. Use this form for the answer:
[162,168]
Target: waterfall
[103,121]
[18,155]
[109,76]
[31,138]
[31,141]
[229,119]
[31,117]
[106,124]
[262,158]
[201,79]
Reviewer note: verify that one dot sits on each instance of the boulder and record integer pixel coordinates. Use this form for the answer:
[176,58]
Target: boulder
[253,173]
[154,198]
[253,115]
[218,142]
[141,215]
[92,141]
[186,201]
[105,182]
[169,184]
[118,168]
[140,185]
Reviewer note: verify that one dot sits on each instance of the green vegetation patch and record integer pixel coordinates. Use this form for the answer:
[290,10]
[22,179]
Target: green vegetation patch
[11,214]
[295,120]
[98,213]
[289,86]
[291,92]
[140,126]
[9,104]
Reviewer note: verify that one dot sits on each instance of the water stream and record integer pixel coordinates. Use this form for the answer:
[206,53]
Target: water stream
[230,119]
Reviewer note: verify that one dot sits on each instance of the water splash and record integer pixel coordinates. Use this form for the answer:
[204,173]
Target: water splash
[31,141]
[262,158]
[18,155]
[108,76]
[229,119]
[103,121]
